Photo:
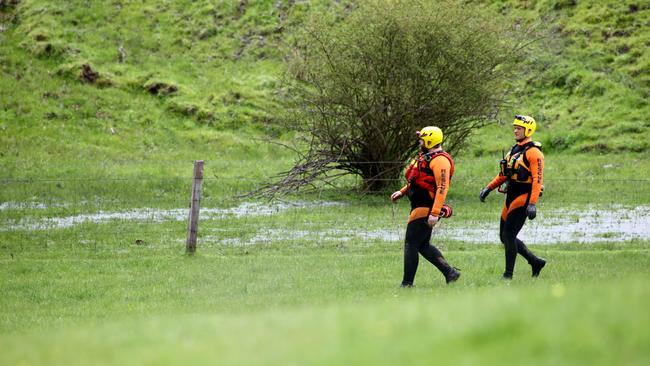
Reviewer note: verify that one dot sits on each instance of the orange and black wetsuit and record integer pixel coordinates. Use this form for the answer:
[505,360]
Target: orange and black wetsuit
[522,171]
[428,178]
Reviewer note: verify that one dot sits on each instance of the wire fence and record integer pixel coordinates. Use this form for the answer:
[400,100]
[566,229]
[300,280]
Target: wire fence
[104,212]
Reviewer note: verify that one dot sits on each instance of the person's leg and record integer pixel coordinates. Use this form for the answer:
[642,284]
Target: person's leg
[416,236]
[433,255]
[510,228]
[523,250]
[502,222]
[536,263]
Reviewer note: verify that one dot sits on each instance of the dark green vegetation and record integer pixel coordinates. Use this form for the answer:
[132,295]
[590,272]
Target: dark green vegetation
[166,82]
[362,85]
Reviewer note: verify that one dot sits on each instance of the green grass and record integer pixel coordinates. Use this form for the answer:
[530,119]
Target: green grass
[587,83]
[124,292]
[588,79]
[323,307]
[234,168]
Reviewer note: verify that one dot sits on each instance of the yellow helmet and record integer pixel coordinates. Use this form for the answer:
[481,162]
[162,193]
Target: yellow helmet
[527,122]
[431,136]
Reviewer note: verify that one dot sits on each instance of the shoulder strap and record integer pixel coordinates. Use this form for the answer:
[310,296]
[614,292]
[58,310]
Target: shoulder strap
[513,148]
[451,161]
[529,145]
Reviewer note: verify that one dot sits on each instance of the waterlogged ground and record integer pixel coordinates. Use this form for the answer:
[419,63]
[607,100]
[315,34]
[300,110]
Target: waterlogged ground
[591,225]
[148,215]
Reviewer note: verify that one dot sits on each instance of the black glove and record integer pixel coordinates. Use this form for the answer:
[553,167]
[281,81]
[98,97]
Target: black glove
[531,211]
[484,193]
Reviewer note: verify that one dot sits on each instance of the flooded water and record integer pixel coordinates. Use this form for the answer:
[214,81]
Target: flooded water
[591,225]
[588,226]
[150,215]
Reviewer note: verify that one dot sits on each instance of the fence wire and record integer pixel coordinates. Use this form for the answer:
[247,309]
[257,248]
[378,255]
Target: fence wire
[113,213]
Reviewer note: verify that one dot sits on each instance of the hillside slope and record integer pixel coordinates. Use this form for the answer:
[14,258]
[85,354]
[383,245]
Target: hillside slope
[89,79]
[591,90]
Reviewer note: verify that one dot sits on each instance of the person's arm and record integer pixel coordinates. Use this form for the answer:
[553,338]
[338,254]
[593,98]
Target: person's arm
[402,192]
[399,194]
[404,189]
[496,182]
[536,164]
[441,169]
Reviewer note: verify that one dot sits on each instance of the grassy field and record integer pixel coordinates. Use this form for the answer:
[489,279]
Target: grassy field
[274,284]
[326,306]
[95,176]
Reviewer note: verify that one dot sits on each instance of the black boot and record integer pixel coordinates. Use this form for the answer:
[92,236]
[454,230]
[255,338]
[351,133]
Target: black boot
[453,275]
[537,266]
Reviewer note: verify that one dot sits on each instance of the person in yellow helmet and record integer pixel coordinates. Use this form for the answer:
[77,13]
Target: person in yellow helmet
[428,177]
[522,172]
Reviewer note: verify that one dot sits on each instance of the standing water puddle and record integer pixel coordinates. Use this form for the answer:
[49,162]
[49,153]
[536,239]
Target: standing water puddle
[584,226]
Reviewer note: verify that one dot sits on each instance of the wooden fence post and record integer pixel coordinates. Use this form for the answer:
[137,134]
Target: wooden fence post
[193,226]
